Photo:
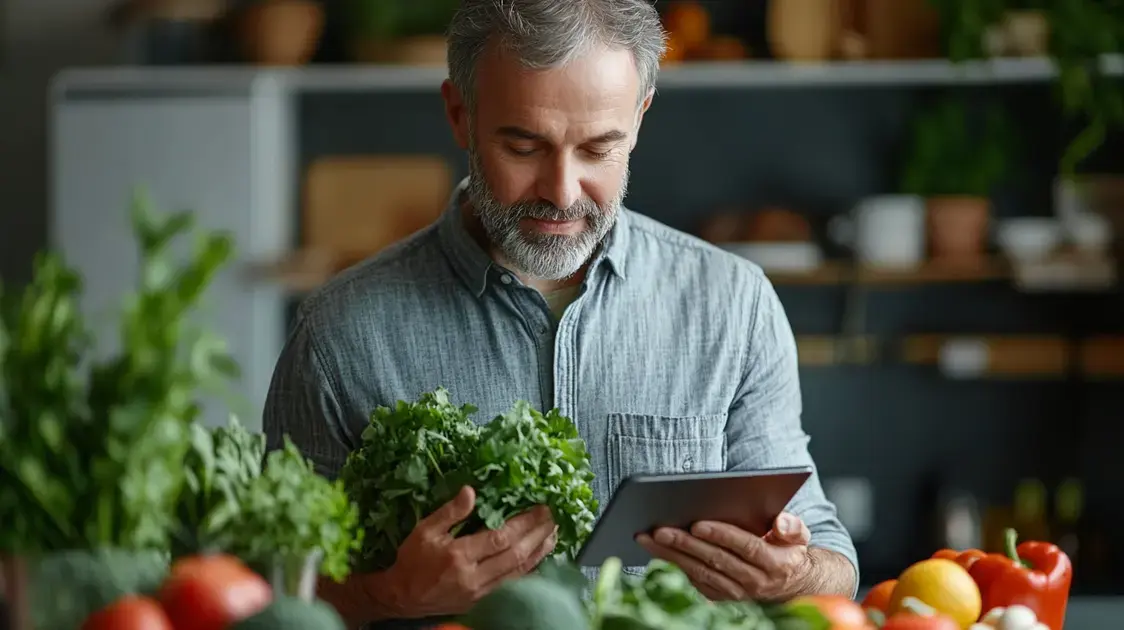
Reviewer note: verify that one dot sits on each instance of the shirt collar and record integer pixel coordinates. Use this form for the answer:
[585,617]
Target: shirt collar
[473,264]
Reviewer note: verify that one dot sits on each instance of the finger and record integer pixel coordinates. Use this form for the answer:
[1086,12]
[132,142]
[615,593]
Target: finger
[712,584]
[454,511]
[488,543]
[523,556]
[750,548]
[710,555]
[789,530]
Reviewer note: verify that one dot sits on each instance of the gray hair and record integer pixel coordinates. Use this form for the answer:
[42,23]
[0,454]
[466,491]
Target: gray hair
[550,33]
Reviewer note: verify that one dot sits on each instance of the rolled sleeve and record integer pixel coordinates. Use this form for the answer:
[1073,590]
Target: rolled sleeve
[764,428]
[303,405]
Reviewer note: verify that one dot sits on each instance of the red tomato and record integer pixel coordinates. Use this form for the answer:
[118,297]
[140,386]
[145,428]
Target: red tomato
[212,592]
[131,612]
[908,621]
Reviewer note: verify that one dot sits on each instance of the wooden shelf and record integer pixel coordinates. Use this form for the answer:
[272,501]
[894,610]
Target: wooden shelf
[929,273]
[304,271]
[995,357]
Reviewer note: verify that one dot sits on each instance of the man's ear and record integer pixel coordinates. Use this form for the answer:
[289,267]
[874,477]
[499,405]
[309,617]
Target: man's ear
[640,116]
[456,111]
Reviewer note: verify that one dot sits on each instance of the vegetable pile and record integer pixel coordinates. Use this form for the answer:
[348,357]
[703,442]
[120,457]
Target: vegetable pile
[213,592]
[662,599]
[105,473]
[1024,588]
[416,456]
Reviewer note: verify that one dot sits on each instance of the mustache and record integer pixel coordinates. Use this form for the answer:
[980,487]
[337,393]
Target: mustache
[549,212]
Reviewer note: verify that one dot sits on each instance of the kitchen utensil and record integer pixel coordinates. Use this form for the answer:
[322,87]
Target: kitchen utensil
[884,231]
[789,257]
[1028,238]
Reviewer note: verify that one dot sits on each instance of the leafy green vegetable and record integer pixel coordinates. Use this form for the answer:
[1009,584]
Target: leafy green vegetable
[94,458]
[289,511]
[532,603]
[662,599]
[415,457]
[221,463]
[292,613]
[69,586]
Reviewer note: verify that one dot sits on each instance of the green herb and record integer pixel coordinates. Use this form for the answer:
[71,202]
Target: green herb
[955,153]
[92,459]
[965,23]
[416,457]
[289,511]
[1081,32]
[661,599]
[221,463]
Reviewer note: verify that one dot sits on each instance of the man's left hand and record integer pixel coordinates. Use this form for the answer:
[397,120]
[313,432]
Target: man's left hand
[728,563]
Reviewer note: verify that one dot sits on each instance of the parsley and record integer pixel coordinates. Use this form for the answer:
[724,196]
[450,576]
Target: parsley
[222,461]
[288,511]
[416,456]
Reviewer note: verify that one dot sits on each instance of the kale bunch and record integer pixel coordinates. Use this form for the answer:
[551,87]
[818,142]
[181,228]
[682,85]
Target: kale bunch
[416,456]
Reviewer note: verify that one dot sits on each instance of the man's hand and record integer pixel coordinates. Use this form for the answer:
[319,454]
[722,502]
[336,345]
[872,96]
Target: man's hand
[437,574]
[728,563]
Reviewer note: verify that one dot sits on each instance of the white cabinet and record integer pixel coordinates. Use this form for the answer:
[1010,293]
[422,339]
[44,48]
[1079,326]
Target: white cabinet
[222,152]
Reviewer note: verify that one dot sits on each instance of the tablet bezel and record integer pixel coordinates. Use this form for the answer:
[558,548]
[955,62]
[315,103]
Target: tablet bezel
[692,498]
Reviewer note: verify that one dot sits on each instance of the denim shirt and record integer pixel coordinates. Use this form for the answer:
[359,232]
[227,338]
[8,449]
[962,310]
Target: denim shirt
[675,356]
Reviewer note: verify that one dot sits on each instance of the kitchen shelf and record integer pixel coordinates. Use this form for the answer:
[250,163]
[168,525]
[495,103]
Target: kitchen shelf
[990,270]
[999,357]
[304,271]
[338,78]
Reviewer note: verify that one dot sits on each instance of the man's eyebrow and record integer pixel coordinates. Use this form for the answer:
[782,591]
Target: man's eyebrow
[520,133]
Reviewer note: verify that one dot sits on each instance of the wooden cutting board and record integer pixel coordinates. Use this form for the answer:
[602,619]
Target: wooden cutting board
[355,206]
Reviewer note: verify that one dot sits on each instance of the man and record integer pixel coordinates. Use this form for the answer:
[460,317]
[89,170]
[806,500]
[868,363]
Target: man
[537,284]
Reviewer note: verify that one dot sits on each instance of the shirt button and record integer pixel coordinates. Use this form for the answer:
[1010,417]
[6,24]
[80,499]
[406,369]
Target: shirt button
[506,279]
[688,463]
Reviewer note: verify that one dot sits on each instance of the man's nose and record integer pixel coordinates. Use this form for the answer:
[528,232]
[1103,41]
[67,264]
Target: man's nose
[560,183]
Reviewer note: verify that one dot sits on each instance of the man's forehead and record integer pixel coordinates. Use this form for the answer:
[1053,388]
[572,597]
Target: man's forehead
[598,79]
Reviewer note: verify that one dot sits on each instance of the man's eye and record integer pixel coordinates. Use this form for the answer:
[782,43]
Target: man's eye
[520,150]
[599,155]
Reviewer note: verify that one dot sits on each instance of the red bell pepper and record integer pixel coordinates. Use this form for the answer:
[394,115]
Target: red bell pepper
[1033,574]
[964,558]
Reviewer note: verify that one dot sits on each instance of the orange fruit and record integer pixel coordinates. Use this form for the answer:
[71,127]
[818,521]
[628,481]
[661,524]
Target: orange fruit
[676,50]
[689,22]
[942,584]
[841,612]
[879,597]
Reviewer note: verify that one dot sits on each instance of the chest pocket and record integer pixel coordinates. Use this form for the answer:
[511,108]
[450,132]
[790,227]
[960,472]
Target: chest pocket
[643,444]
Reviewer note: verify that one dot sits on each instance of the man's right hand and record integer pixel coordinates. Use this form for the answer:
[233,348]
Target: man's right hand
[437,574]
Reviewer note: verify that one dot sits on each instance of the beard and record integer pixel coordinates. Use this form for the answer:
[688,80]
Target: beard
[542,256]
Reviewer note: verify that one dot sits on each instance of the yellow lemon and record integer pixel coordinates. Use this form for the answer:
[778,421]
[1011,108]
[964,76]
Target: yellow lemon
[942,584]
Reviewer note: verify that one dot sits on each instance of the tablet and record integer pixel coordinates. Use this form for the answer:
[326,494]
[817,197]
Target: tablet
[751,500]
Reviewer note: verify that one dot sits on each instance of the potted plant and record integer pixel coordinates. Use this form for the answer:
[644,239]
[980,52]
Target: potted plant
[91,448]
[280,32]
[400,31]
[955,161]
[1082,32]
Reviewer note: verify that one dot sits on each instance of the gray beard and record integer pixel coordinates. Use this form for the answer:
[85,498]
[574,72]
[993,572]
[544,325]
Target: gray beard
[542,256]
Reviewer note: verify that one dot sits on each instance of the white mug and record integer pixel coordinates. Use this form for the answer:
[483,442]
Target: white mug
[884,231]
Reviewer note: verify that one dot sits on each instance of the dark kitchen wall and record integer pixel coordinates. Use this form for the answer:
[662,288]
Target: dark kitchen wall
[37,39]
[818,151]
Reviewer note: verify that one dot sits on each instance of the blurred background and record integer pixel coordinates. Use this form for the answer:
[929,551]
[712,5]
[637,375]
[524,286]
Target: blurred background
[936,188]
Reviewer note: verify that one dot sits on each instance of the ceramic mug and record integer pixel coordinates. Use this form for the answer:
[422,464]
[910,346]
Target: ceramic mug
[884,231]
